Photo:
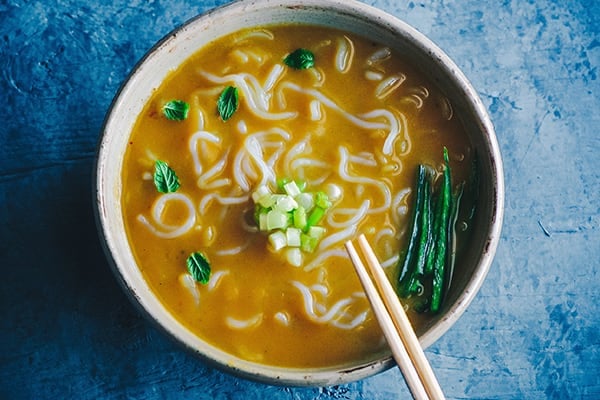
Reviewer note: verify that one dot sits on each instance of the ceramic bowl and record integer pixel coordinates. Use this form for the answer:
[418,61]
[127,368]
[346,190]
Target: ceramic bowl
[348,15]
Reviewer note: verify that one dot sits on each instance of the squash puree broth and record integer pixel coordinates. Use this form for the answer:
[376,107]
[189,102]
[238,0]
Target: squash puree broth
[253,306]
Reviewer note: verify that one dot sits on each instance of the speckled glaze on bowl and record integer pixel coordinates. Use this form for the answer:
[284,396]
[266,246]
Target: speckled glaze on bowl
[348,15]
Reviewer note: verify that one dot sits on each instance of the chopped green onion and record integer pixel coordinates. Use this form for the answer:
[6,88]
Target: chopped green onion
[316,232]
[299,217]
[291,189]
[284,181]
[308,243]
[293,256]
[286,204]
[262,222]
[293,237]
[305,200]
[260,193]
[291,218]
[310,239]
[277,240]
[322,200]
[315,216]
[281,183]
[276,220]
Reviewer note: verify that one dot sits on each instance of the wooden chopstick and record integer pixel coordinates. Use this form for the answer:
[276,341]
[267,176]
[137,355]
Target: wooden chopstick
[394,323]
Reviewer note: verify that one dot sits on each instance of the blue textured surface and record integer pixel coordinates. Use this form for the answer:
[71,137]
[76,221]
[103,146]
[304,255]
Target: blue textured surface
[67,331]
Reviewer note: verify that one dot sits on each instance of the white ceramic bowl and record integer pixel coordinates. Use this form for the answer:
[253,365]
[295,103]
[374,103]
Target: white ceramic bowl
[344,14]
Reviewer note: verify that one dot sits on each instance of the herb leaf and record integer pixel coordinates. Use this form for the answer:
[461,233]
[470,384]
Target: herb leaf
[176,110]
[227,103]
[300,59]
[199,267]
[165,179]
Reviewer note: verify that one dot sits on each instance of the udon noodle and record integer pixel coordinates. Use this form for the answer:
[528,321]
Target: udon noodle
[354,126]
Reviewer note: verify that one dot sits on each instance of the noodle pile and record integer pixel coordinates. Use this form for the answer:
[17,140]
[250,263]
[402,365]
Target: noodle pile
[283,129]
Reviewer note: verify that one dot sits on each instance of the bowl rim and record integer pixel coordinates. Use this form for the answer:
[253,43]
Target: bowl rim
[284,375]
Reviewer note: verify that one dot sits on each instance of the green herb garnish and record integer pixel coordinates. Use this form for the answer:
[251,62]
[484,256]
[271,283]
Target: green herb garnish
[199,267]
[227,103]
[165,179]
[176,110]
[300,59]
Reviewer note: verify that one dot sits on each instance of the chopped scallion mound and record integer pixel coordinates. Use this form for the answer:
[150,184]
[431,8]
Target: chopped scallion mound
[291,218]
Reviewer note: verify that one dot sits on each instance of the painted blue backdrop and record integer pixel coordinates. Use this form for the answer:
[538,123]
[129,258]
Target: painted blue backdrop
[66,329]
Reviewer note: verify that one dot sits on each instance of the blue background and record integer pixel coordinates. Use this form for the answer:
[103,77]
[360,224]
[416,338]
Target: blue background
[68,331]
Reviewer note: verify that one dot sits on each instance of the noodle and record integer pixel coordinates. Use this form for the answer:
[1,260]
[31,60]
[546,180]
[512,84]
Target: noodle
[283,318]
[316,113]
[255,34]
[331,104]
[256,98]
[273,77]
[188,282]
[233,251]
[337,238]
[387,86]
[344,55]
[357,215]
[193,144]
[373,75]
[379,56]
[240,324]
[218,168]
[343,173]
[224,200]
[320,314]
[254,149]
[323,256]
[164,230]
[216,279]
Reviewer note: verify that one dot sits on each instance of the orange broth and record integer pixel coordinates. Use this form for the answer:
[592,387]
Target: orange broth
[256,285]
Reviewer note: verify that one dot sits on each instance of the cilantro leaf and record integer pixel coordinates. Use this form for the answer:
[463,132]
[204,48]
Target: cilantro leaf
[227,103]
[199,267]
[300,59]
[165,179]
[176,110]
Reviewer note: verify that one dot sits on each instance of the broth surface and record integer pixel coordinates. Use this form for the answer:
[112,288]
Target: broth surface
[255,304]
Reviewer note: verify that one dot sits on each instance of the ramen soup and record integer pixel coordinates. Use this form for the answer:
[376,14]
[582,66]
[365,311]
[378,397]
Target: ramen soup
[347,121]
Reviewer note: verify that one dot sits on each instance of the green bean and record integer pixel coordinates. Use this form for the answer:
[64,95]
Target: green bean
[429,260]
[456,199]
[436,212]
[409,258]
[442,237]
[425,234]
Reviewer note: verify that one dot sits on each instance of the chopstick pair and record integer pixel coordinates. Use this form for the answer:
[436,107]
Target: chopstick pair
[395,325]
